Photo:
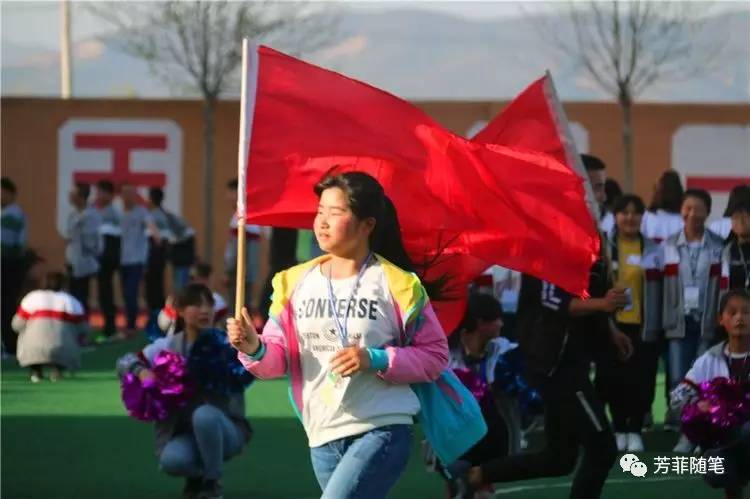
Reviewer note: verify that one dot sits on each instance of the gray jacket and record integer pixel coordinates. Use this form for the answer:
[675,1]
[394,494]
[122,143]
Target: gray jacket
[673,315]
[84,242]
[652,264]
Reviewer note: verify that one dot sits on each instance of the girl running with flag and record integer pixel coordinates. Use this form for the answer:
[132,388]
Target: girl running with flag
[337,326]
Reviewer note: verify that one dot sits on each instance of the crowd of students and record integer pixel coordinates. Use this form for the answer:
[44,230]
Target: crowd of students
[114,232]
[353,328]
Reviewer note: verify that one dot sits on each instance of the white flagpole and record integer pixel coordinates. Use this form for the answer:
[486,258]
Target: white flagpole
[571,151]
[250,63]
[66,76]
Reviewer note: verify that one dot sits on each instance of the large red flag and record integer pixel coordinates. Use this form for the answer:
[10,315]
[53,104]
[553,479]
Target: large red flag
[477,203]
[535,120]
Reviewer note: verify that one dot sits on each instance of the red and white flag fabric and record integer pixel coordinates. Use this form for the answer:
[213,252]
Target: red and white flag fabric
[511,196]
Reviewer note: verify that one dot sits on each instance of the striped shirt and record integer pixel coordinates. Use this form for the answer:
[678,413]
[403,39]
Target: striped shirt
[47,304]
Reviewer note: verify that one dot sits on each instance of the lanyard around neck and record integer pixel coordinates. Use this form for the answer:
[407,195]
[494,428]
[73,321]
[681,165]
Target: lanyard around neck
[743,370]
[341,322]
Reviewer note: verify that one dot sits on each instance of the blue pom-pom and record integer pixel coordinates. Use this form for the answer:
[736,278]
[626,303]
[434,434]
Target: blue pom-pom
[214,366]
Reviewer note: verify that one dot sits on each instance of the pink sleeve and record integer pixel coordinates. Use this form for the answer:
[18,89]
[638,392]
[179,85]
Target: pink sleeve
[273,364]
[424,359]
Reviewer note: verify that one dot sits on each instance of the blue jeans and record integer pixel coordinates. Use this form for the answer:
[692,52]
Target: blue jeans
[180,277]
[130,275]
[201,453]
[364,466]
[684,351]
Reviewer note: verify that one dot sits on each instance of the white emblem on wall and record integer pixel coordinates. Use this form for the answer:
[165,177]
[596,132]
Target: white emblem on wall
[142,152]
[713,157]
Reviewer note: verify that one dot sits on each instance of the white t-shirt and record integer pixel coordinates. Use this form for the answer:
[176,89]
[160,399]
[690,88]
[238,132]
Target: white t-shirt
[722,227]
[660,225]
[361,402]
[607,223]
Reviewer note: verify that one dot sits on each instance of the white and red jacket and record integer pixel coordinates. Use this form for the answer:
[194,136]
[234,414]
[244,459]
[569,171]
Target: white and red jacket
[49,324]
[47,304]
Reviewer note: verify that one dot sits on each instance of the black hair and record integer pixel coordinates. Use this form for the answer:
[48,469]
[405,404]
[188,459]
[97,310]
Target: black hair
[612,191]
[202,270]
[367,199]
[156,195]
[669,193]
[721,333]
[480,306]
[733,293]
[83,190]
[739,200]
[701,194]
[54,281]
[105,186]
[622,203]
[8,185]
[192,294]
[233,184]
[592,163]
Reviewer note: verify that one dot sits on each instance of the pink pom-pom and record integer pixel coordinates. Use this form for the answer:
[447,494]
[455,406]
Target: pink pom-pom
[157,398]
[722,406]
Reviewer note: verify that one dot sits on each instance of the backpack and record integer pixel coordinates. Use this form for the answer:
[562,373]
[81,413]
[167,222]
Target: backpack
[450,416]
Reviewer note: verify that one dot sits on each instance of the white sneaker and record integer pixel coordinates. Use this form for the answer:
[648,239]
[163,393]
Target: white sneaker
[35,378]
[635,442]
[684,446]
[622,441]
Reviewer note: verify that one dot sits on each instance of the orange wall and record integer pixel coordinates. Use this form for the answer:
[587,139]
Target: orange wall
[29,147]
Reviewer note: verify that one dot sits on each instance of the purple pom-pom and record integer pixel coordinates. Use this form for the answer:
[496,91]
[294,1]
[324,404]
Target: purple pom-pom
[156,399]
[722,406]
[473,382]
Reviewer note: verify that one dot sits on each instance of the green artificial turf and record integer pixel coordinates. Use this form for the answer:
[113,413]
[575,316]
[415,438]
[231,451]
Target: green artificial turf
[73,439]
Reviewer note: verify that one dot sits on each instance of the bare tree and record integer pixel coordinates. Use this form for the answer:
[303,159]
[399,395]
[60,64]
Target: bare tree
[195,47]
[626,47]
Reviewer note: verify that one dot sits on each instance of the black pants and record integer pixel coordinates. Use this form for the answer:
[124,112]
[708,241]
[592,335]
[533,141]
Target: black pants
[571,420]
[79,288]
[495,444]
[629,387]
[107,295]
[13,273]
[157,262]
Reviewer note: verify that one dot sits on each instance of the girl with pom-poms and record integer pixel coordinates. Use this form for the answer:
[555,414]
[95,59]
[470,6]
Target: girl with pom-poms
[714,399]
[489,365]
[191,384]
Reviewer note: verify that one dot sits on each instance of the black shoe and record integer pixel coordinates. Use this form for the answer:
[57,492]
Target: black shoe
[191,488]
[458,483]
[211,489]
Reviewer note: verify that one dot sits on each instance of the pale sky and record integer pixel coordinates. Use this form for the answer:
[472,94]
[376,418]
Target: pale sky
[36,23]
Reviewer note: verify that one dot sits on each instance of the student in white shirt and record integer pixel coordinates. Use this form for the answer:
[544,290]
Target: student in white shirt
[663,217]
[137,226]
[728,359]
